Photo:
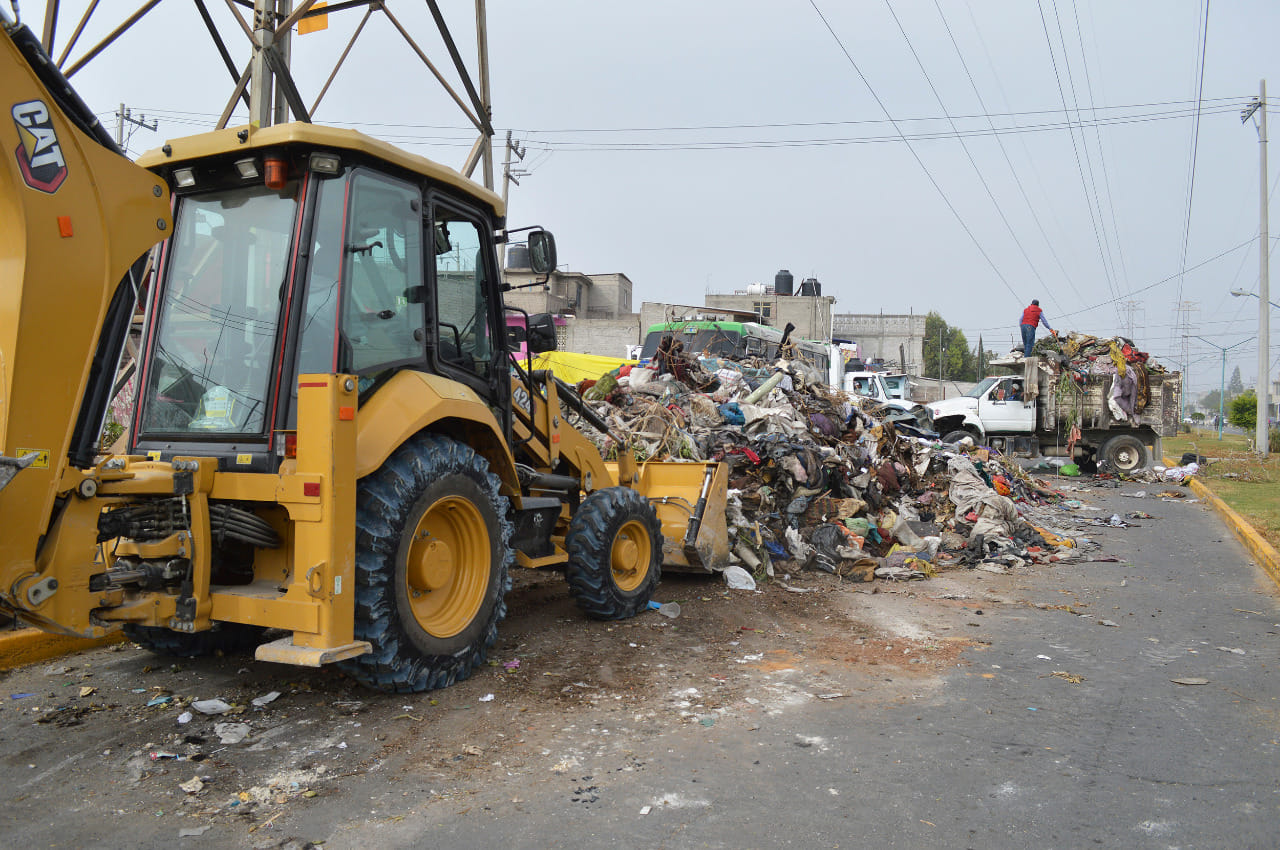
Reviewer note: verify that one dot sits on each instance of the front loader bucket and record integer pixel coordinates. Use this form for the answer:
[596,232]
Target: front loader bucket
[677,491]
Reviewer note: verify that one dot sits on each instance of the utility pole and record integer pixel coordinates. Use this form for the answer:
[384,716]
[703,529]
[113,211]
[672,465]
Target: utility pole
[941,392]
[510,175]
[1264,289]
[125,116]
[1262,431]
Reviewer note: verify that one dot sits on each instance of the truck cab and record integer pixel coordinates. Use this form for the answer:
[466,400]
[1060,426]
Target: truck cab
[997,405]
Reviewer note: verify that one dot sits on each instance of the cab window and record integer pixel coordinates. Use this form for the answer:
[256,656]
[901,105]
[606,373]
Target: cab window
[465,332]
[382,263]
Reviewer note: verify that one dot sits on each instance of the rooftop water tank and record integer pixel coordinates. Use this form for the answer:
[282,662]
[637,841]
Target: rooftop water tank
[518,256]
[783,282]
[809,287]
[755,289]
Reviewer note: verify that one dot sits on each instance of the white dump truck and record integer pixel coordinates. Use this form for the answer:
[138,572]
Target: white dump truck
[1056,411]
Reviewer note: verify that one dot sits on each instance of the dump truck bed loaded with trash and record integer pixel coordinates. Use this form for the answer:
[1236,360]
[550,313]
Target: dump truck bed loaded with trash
[1081,398]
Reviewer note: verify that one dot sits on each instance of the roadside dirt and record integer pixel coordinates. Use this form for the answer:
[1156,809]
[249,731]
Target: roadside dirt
[100,735]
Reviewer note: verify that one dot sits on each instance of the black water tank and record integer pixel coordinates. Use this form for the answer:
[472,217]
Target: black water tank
[518,256]
[808,286]
[783,283]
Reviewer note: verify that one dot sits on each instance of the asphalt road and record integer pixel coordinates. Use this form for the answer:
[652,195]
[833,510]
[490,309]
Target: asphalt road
[997,753]
[1033,709]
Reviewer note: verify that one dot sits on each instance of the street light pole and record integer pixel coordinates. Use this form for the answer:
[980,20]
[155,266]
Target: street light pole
[1259,107]
[1239,292]
[1222,385]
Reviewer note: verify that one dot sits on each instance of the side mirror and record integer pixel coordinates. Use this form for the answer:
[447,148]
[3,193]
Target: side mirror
[541,332]
[542,252]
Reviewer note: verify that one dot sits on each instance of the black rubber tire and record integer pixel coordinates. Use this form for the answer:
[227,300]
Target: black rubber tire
[1124,453]
[590,543]
[959,434]
[226,638]
[389,504]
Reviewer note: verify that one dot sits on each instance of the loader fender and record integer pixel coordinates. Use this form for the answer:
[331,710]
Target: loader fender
[412,402]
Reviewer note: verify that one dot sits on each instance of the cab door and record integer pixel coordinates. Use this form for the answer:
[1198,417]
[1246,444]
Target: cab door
[467,337]
[1005,411]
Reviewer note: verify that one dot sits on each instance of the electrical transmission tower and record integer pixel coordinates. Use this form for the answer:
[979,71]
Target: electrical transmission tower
[1183,328]
[1132,310]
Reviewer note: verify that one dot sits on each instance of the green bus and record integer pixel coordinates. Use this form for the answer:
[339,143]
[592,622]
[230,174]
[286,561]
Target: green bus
[736,341]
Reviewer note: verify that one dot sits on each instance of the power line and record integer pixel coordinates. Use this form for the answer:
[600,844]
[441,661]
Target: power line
[981,178]
[915,155]
[1102,155]
[1250,241]
[1075,148]
[1096,200]
[1230,104]
[1008,161]
[1195,145]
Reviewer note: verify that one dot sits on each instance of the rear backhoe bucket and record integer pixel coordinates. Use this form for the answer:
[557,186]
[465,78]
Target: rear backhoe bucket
[689,497]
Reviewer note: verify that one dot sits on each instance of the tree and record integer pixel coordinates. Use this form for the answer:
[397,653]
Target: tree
[1197,416]
[1210,400]
[1235,386]
[1243,412]
[957,358]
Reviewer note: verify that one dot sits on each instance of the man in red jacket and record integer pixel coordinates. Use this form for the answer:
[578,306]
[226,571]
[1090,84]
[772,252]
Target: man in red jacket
[1031,317]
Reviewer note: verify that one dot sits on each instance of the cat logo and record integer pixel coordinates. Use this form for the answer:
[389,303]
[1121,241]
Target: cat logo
[38,153]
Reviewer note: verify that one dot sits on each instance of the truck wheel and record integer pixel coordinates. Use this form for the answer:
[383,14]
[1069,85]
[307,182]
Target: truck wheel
[432,553]
[615,554]
[960,434]
[1125,453]
[227,638]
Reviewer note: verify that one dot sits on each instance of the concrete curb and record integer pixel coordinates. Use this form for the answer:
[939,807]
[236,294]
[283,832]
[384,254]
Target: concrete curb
[1263,552]
[27,646]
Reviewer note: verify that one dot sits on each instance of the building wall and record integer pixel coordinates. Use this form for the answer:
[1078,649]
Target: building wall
[601,296]
[880,334]
[610,296]
[811,314]
[606,337]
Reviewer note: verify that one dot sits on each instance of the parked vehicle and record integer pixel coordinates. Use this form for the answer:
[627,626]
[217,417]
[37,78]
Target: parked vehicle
[1008,414]
[330,438]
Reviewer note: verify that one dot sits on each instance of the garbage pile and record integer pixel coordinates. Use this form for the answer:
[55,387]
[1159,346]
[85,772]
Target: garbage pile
[824,480]
[1078,357]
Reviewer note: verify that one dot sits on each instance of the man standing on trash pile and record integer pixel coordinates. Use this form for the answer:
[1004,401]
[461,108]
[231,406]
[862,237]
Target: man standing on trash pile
[1031,317]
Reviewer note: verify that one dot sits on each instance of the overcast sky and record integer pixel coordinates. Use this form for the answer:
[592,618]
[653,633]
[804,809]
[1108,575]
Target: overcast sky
[702,146]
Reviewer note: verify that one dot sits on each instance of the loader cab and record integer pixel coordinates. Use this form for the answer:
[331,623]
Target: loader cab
[301,260]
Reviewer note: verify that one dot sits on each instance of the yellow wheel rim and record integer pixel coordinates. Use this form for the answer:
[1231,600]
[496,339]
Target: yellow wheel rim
[447,567]
[630,555]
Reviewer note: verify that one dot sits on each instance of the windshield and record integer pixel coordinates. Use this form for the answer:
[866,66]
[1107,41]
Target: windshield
[711,342]
[218,312]
[981,387]
[895,385]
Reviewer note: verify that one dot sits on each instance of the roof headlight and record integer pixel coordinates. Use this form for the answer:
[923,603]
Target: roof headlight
[325,163]
[248,168]
[184,178]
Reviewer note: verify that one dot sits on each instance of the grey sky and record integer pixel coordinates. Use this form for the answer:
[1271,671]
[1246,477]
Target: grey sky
[600,93]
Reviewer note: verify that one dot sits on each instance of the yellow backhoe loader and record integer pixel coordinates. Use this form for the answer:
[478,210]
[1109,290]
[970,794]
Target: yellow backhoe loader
[329,436]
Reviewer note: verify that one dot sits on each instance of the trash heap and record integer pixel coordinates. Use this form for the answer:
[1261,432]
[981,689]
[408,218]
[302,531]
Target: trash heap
[824,480]
[1083,354]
